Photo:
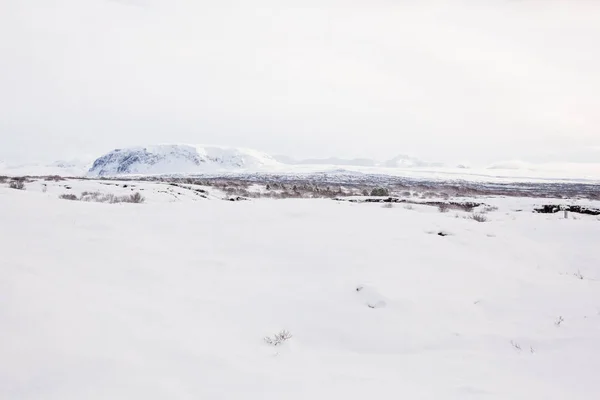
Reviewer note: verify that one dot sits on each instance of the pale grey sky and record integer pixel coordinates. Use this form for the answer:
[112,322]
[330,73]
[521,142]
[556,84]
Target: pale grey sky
[477,81]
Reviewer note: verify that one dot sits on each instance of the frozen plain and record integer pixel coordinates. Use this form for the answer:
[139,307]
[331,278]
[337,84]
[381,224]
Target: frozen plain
[172,300]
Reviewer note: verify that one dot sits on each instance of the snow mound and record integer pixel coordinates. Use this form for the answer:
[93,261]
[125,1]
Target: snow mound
[371,297]
[176,158]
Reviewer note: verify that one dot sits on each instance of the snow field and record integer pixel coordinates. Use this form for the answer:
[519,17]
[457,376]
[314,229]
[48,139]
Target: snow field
[172,299]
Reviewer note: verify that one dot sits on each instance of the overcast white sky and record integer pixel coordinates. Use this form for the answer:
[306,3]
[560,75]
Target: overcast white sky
[477,81]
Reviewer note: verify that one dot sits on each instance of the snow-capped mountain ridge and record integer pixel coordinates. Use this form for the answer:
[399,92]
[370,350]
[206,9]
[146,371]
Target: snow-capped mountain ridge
[182,159]
[179,158]
[176,158]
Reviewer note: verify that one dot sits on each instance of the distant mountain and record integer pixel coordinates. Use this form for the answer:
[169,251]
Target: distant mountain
[404,161]
[176,158]
[285,159]
[62,168]
[358,162]
[400,161]
[189,159]
[512,164]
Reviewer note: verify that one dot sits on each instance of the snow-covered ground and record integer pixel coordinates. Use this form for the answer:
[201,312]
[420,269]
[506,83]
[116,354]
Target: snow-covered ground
[153,192]
[172,299]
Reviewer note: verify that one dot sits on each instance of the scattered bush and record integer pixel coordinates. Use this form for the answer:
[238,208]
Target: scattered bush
[380,192]
[479,217]
[96,197]
[278,338]
[409,207]
[466,207]
[388,205]
[444,208]
[488,208]
[17,184]
[136,198]
[110,198]
[3,179]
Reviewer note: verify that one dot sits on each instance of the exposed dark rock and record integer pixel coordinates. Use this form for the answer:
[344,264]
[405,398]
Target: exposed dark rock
[554,208]
[238,198]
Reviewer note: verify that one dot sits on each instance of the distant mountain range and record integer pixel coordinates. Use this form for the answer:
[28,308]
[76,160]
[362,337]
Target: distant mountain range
[189,159]
[400,161]
[198,159]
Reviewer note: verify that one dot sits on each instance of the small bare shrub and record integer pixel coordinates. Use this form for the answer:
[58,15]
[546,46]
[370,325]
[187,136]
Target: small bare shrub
[92,196]
[559,321]
[54,178]
[3,179]
[108,198]
[380,192]
[466,207]
[68,197]
[17,184]
[278,338]
[490,208]
[136,198]
[578,275]
[409,207]
[479,217]
[444,208]
[388,205]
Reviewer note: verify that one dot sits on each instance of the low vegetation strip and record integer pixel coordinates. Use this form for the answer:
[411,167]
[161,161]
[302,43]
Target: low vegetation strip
[98,197]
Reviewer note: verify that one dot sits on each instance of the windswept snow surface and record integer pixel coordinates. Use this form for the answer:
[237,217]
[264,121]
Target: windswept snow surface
[172,301]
